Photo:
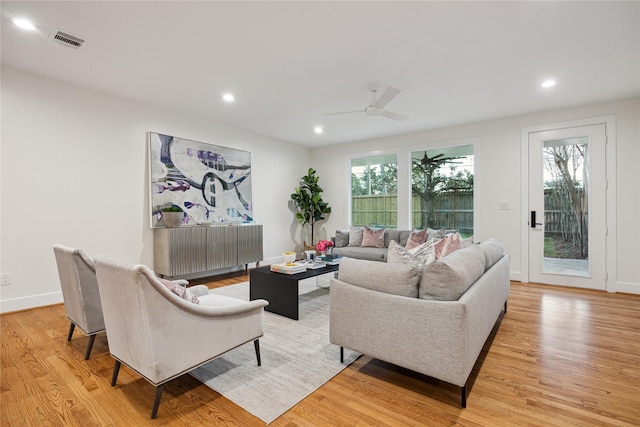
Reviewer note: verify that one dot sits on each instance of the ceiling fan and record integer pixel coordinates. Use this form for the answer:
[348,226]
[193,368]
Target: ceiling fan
[376,108]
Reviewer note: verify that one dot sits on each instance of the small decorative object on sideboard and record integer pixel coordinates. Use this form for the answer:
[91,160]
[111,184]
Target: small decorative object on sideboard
[172,216]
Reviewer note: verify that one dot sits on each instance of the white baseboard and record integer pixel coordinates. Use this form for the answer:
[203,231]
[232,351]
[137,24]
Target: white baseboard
[25,303]
[516,276]
[628,288]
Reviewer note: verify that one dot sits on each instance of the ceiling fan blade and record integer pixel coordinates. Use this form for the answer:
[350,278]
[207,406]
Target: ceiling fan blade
[386,97]
[394,116]
[343,112]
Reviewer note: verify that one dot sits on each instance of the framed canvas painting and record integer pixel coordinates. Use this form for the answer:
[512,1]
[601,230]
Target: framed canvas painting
[210,183]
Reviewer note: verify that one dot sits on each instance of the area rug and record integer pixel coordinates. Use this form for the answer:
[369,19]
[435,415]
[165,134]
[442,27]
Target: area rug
[297,357]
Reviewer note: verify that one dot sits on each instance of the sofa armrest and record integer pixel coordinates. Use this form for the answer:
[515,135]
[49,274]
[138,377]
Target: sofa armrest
[484,302]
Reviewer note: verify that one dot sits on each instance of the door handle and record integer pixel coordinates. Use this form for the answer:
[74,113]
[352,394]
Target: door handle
[533,220]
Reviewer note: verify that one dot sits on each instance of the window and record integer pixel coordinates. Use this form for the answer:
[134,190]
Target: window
[442,189]
[374,184]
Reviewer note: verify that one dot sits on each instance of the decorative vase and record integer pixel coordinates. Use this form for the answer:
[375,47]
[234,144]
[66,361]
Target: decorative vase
[172,219]
[289,257]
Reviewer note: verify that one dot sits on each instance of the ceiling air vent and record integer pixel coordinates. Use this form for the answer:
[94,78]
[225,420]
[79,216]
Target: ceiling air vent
[66,39]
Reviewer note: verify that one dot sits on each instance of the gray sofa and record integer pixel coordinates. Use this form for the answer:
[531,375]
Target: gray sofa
[433,322]
[341,242]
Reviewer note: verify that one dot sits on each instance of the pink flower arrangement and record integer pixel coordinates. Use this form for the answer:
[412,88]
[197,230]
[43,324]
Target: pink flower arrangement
[323,245]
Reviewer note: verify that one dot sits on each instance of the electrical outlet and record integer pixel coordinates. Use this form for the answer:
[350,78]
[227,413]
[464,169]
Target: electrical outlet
[503,206]
[6,279]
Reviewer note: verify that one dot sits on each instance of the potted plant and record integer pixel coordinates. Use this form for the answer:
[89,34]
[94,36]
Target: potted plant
[172,216]
[308,200]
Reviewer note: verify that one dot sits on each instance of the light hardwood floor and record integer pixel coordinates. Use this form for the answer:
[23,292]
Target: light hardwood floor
[560,356]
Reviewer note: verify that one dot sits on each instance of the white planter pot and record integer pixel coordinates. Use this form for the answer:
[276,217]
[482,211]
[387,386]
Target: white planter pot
[172,219]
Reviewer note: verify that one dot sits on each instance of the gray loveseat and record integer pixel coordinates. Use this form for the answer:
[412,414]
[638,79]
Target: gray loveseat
[434,323]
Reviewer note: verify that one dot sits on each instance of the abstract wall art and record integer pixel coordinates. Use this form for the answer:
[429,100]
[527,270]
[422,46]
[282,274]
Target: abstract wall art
[212,184]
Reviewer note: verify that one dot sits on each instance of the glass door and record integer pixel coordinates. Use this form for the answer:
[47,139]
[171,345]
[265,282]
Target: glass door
[567,207]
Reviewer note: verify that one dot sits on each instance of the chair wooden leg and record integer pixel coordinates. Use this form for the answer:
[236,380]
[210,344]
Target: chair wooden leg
[116,370]
[72,327]
[92,338]
[156,401]
[256,345]
[341,354]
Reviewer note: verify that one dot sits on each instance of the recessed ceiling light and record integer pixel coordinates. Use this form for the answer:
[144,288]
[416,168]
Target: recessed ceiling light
[318,129]
[24,24]
[228,97]
[548,83]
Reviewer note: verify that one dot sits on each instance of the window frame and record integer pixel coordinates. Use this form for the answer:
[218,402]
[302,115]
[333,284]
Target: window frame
[404,193]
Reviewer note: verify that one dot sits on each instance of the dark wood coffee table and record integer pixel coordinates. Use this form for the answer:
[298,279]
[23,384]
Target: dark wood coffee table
[281,290]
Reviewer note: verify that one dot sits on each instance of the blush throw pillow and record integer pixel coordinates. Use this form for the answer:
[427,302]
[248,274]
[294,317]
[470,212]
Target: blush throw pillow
[181,291]
[355,236]
[448,244]
[372,238]
[416,239]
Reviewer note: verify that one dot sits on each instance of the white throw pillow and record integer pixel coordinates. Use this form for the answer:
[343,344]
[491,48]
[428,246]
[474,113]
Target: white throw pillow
[420,256]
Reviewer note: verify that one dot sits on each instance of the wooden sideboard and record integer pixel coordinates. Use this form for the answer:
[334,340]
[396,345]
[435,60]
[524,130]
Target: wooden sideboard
[187,250]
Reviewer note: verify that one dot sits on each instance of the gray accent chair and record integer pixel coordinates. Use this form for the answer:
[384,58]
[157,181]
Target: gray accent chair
[162,336]
[80,293]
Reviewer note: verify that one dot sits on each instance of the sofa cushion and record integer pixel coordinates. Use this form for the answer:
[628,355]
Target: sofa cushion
[390,235]
[492,250]
[420,256]
[372,238]
[396,279]
[448,244]
[373,254]
[416,238]
[355,236]
[341,238]
[447,279]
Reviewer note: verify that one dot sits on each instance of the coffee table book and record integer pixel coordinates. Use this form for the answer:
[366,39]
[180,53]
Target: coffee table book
[331,260]
[316,265]
[288,269]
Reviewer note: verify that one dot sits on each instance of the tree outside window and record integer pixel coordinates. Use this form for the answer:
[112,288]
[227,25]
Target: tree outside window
[442,188]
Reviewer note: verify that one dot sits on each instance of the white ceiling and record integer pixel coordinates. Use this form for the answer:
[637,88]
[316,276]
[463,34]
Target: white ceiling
[288,63]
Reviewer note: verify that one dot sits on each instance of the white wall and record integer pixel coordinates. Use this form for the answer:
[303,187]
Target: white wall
[498,177]
[74,171]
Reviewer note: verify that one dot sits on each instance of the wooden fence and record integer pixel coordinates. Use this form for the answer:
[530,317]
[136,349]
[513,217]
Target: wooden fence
[450,210]
[559,218]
